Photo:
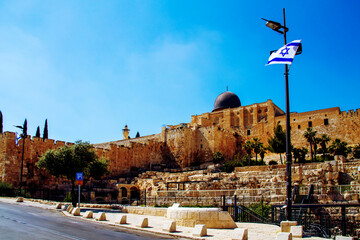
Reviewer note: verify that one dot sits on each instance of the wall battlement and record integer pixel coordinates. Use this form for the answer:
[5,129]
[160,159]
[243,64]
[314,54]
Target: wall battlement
[350,113]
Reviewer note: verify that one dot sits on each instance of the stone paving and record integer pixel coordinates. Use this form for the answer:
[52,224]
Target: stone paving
[256,231]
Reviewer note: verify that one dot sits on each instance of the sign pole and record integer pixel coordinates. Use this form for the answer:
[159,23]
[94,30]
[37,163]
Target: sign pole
[79,182]
[79,196]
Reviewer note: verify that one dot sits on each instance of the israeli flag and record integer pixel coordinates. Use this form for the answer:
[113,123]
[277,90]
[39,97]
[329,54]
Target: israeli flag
[17,138]
[284,55]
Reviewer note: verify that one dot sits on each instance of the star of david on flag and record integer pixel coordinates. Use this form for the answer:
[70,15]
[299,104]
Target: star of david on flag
[284,55]
[17,138]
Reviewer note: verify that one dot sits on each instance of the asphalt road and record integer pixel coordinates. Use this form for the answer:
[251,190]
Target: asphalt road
[23,222]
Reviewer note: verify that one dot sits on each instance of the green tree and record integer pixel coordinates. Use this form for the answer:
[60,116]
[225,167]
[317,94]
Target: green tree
[98,169]
[262,153]
[218,157]
[310,137]
[356,151]
[46,133]
[339,147]
[248,147]
[324,139]
[299,154]
[137,135]
[69,160]
[256,146]
[277,143]
[37,134]
[1,122]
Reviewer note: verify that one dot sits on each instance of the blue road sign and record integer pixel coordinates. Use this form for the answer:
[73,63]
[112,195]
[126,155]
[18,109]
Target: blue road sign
[79,176]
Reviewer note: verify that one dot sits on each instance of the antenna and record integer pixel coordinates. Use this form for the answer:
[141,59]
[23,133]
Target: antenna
[227,88]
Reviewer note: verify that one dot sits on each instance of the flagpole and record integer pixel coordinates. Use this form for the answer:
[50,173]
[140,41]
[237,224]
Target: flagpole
[288,139]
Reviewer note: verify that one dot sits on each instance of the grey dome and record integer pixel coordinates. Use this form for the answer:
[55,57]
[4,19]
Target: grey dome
[226,100]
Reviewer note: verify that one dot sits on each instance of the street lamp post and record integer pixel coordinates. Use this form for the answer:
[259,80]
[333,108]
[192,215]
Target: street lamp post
[24,135]
[283,29]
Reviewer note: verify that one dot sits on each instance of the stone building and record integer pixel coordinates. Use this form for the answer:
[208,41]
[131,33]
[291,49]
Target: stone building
[225,129]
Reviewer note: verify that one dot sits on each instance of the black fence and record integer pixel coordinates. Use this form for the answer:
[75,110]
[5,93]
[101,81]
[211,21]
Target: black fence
[323,220]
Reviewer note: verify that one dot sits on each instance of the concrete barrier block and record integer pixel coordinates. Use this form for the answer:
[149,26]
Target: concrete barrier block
[121,219]
[284,236]
[88,214]
[20,199]
[69,209]
[240,234]
[100,216]
[286,225]
[143,222]
[200,230]
[296,231]
[58,206]
[76,212]
[343,238]
[169,226]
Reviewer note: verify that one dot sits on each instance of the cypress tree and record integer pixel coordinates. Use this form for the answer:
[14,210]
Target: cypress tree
[45,134]
[37,132]
[137,135]
[25,128]
[1,122]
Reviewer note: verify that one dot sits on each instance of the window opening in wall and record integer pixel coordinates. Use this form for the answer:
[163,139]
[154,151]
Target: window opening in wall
[248,132]
[259,111]
[309,117]
[201,146]
[326,121]
[325,115]
[294,119]
[310,124]
[299,126]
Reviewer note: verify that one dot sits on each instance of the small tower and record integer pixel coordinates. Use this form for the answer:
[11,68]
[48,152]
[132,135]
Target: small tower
[126,132]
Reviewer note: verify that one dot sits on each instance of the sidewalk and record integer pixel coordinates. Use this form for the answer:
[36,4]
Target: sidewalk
[256,231]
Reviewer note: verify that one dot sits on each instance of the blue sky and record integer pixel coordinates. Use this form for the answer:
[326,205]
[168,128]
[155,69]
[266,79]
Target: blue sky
[90,67]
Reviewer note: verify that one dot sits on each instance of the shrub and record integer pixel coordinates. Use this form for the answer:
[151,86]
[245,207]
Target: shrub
[272,162]
[68,197]
[6,189]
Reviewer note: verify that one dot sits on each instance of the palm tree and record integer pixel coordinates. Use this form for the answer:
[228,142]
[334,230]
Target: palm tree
[248,147]
[315,144]
[339,147]
[324,139]
[257,145]
[310,136]
[262,153]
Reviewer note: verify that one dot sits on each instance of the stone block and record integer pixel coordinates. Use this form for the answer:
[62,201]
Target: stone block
[200,230]
[208,215]
[100,216]
[240,234]
[20,199]
[343,238]
[285,225]
[143,222]
[88,214]
[284,236]
[58,206]
[296,231]
[169,226]
[121,219]
[193,215]
[75,212]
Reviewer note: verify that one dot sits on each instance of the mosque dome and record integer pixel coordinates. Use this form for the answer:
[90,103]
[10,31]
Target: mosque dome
[226,100]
